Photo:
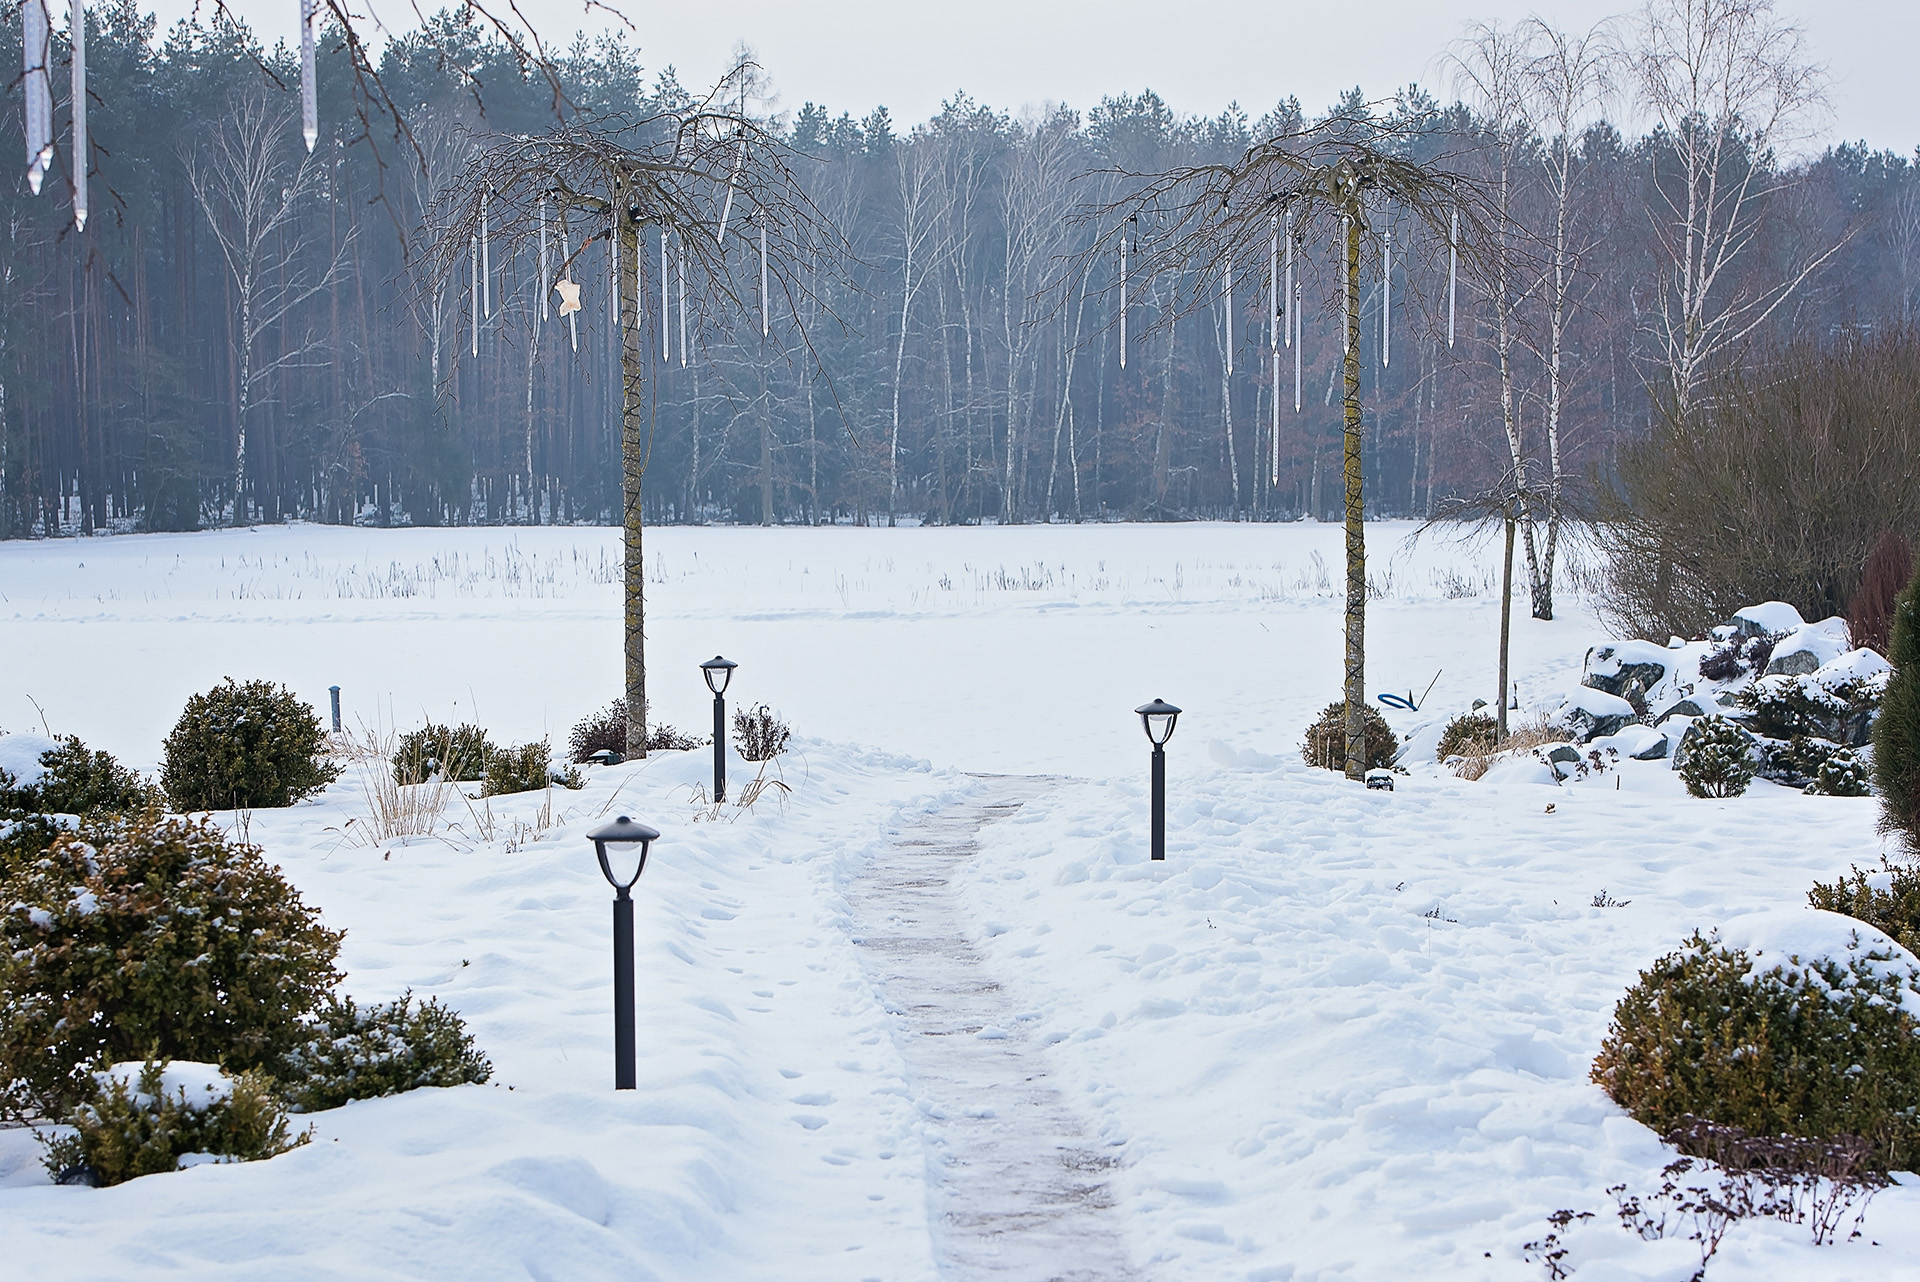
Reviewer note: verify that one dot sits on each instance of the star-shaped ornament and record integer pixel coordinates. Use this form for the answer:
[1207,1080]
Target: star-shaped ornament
[569,292]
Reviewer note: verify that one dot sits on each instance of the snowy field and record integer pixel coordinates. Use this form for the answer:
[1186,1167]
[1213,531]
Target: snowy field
[1338,1034]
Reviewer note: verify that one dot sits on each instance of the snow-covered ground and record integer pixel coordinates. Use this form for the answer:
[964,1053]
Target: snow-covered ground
[1338,1034]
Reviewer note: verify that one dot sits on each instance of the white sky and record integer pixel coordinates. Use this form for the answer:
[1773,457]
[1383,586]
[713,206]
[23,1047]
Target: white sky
[1197,54]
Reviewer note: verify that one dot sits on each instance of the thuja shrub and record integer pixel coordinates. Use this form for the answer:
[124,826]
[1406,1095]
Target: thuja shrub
[1842,774]
[1896,731]
[760,734]
[1326,742]
[1470,734]
[521,769]
[383,1048]
[142,1119]
[241,746]
[1889,901]
[76,781]
[1716,758]
[155,937]
[1820,1049]
[451,752]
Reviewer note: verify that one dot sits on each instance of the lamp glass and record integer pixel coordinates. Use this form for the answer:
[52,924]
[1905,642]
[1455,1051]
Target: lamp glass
[623,835]
[718,672]
[1157,719]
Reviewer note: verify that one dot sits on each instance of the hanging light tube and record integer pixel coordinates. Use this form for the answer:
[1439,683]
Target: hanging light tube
[77,24]
[309,100]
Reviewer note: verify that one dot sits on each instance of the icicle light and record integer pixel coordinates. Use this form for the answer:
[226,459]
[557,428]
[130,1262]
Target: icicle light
[1297,335]
[1386,299]
[486,260]
[1453,266]
[35,54]
[726,210]
[681,271]
[765,324]
[1344,302]
[613,262]
[666,314]
[1229,297]
[1123,294]
[309,98]
[1293,322]
[1274,449]
[473,293]
[546,267]
[566,257]
[77,23]
[1273,296]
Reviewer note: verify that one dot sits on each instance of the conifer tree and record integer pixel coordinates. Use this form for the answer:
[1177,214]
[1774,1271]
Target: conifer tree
[1896,733]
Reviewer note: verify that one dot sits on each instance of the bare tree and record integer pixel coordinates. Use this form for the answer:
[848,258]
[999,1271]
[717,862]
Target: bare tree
[1568,79]
[1727,84]
[919,217]
[694,173]
[248,184]
[1341,180]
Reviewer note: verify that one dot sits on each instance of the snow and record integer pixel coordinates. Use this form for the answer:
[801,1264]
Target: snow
[20,757]
[1597,702]
[1338,1033]
[1797,940]
[1771,616]
[196,1086]
[1855,665]
[1823,642]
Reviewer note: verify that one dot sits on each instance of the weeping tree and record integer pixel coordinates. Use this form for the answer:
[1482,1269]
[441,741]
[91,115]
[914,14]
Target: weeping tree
[704,193]
[1341,183]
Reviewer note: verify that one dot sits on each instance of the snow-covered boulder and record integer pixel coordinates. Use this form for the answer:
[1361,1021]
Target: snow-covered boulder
[1642,743]
[20,757]
[1809,648]
[1766,619]
[1627,668]
[1589,714]
[1524,768]
[1861,665]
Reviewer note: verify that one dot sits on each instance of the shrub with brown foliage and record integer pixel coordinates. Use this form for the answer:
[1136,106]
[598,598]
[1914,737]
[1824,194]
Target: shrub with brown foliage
[1870,612]
[1774,486]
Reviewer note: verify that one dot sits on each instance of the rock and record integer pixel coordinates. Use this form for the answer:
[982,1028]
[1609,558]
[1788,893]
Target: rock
[1766,619]
[1589,713]
[1627,668]
[1684,708]
[1655,751]
[1380,780]
[1564,755]
[1633,741]
[1807,649]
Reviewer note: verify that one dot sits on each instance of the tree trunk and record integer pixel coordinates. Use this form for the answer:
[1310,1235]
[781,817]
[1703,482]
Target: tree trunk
[633,464]
[1356,649]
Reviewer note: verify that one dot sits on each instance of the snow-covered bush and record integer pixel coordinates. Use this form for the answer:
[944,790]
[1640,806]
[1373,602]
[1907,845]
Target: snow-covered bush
[240,746]
[760,734]
[1716,758]
[358,1052]
[520,769]
[1888,901]
[1469,734]
[70,780]
[1797,1024]
[451,752]
[1842,774]
[144,1118]
[1326,742]
[152,937]
[1896,732]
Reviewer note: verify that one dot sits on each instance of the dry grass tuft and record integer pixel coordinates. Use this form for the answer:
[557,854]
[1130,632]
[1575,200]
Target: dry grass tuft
[1524,737]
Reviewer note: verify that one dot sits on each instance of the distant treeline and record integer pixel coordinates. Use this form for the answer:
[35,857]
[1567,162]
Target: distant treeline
[945,371]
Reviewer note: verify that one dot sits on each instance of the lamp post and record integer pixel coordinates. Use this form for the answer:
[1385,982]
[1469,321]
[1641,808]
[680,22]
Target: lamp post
[719,672]
[622,833]
[1157,718]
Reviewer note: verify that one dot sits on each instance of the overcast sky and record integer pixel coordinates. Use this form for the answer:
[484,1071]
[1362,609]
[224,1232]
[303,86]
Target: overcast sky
[1199,55]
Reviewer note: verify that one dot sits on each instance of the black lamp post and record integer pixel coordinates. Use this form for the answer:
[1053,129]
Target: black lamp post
[718,672]
[1158,718]
[625,834]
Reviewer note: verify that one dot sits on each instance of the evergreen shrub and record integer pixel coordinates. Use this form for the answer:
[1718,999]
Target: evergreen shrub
[1896,731]
[383,1048]
[132,1125]
[78,782]
[452,752]
[241,746]
[1821,1050]
[154,937]
[1326,742]
[1716,758]
[1892,909]
[1471,734]
[521,769]
[1842,774]
[760,734]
